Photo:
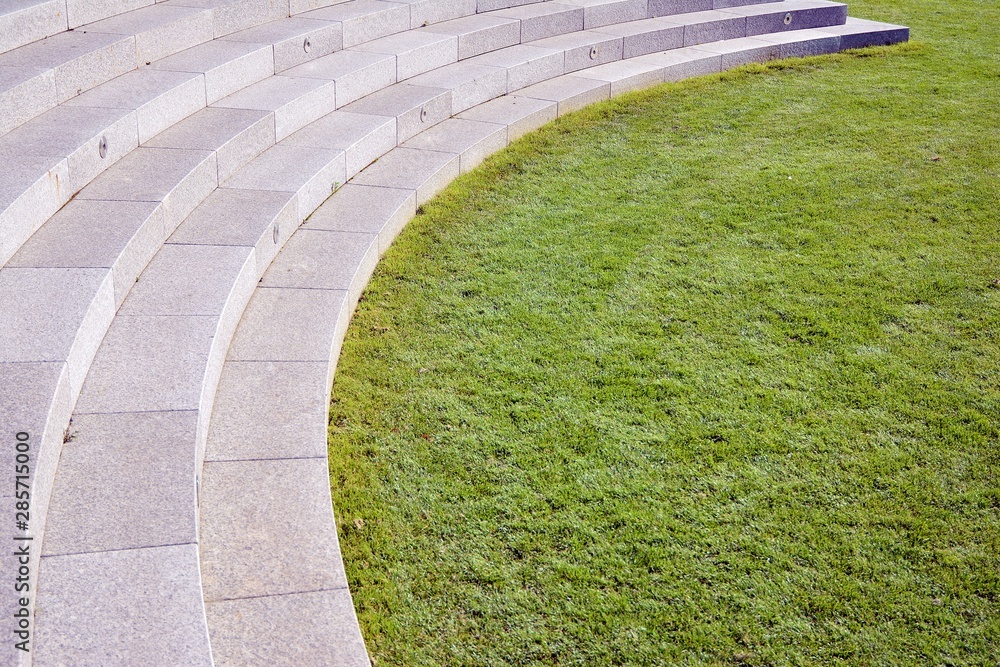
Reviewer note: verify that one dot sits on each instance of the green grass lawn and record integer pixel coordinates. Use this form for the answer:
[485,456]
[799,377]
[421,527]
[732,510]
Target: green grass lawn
[706,375]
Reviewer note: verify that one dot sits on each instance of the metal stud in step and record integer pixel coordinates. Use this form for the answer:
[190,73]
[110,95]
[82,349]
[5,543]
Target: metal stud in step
[274,234]
[102,147]
[788,18]
[306,45]
[423,115]
[593,52]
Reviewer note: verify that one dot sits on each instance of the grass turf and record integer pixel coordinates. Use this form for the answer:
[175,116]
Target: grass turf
[705,375]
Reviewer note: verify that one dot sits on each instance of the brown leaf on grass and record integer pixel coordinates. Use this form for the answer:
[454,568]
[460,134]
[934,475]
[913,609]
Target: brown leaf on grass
[359,523]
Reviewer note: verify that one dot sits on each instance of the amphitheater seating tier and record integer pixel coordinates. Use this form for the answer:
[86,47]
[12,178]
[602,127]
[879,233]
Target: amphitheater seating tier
[196,194]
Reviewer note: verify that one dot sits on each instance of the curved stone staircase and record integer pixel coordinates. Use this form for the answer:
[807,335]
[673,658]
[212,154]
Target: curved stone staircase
[194,194]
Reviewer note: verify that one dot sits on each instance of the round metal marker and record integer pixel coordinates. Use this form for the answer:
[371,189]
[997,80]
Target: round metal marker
[102,147]
[788,18]
[593,52]
[423,114]
[306,45]
[274,234]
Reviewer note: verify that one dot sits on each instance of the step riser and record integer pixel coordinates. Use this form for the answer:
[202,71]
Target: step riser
[659,8]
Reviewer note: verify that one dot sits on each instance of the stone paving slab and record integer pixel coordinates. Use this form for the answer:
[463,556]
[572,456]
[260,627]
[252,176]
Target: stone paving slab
[251,218]
[859,33]
[26,21]
[178,179]
[149,613]
[34,398]
[473,141]
[585,48]
[426,172]
[598,13]
[269,410]
[25,92]
[366,209]
[571,93]
[262,335]
[684,63]
[124,481]
[363,137]
[320,259]
[355,73]
[236,135]
[415,52]
[242,556]
[295,102]
[312,174]
[229,16]
[297,630]
[492,5]
[31,190]
[228,66]
[117,235]
[27,404]
[479,33]
[160,98]
[625,76]
[160,30]
[742,51]
[672,7]
[414,107]
[187,280]
[81,12]
[54,315]
[790,15]
[649,36]
[426,12]
[525,64]
[802,43]
[149,364]
[545,19]
[295,40]
[711,26]
[365,20]
[79,60]
[75,134]
[520,114]
[470,83]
